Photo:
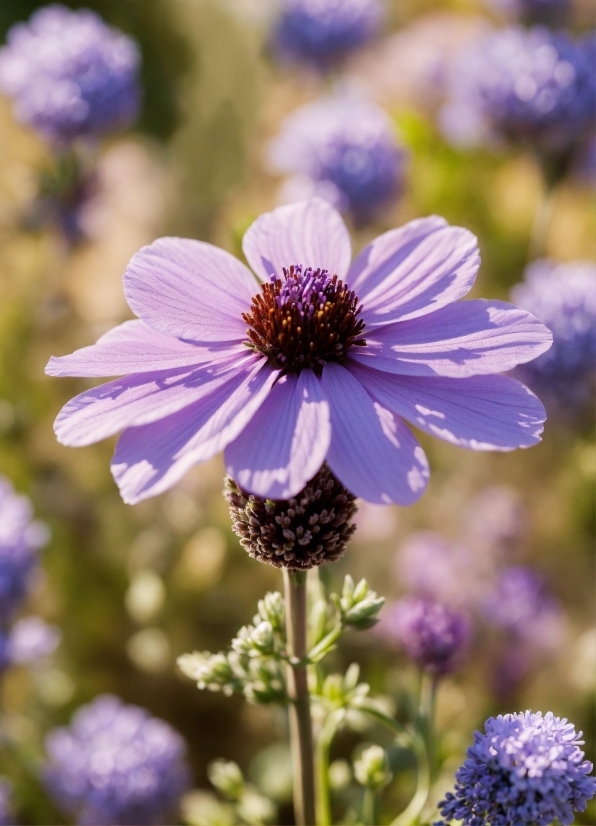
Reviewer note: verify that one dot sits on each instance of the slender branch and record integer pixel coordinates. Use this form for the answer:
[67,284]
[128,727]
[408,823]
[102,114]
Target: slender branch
[324,740]
[414,809]
[369,807]
[542,221]
[301,739]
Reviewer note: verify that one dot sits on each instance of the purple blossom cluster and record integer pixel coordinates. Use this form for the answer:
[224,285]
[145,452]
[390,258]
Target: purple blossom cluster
[533,88]
[344,150]
[215,361]
[433,635]
[320,33]
[525,768]
[20,539]
[563,296]
[116,766]
[70,75]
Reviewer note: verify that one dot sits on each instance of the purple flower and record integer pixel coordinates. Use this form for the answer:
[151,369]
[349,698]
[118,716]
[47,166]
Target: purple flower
[563,296]
[32,639]
[70,75]
[344,150]
[315,361]
[116,766]
[434,636]
[20,538]
[6,810]
[525,769]
[534,88]
[320,33]
[547,12]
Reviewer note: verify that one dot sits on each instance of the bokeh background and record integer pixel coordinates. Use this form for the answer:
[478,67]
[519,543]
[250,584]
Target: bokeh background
[132,588]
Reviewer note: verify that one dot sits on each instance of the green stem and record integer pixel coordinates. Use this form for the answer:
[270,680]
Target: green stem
[542,221]
[369,807]
[301,739]
[426,713]
[324,740]
[414,809]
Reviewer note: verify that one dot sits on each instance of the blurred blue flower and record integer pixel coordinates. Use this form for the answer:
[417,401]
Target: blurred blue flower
[344,150]
[533,88]
[116,766]
[6,810]
[525,769]
[20,538]
[547,12]
[70,75]
[434,636]
[320,33]
[32,639]
[563,296]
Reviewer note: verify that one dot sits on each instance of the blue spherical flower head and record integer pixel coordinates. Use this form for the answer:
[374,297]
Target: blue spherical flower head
[532,88]
[70,75]
[20,539]
[320,33]
[525,769]
[344,150]
[116,765]
[563,296]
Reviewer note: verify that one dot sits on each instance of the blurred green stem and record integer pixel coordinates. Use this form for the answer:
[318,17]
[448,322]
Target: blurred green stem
[301,739]
[324,740]
[542,221]
[369,807]
[410,815]
[426,713]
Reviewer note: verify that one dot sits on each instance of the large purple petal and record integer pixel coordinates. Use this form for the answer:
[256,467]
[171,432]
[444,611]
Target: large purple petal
[133,347]
[463,339]
[311,233]
[372,452]
[286,441]
[142,398]
[414,270]
[190,289]
[479,413]
[151,458]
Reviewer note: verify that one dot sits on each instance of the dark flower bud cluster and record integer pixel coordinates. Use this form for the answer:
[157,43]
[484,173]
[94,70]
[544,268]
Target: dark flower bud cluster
[299,533]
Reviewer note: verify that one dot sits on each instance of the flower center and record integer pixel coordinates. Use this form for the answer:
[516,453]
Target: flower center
[304,320]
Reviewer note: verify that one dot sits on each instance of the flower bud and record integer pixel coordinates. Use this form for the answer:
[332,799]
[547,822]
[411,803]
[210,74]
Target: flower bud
[227,778]
[372,768]
[272,609]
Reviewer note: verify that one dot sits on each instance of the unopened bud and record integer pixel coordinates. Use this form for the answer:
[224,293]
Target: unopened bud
[272,609]
[372,768]
[227,778]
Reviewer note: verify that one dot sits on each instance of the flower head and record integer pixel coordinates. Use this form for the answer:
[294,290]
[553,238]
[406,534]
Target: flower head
[320,33]
[525,769]
[70,75]
[534,88]
[316,361]
[116,765]
[434,636]
[563,296]
[312,527]
[20,539]
[344,150]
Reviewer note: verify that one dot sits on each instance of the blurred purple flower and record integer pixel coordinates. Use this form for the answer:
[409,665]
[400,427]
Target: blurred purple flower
[494,520]
[344,150]
[116,766]
[32,639]
[70,75]
[534,88]
[530,12]
[20,538]
[563,296]
[6,810]
[434,636]
[320,33]
[525,769]
[330,367]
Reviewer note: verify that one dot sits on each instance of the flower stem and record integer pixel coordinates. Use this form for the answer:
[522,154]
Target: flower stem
[369,808]
[542,221]
[301,739]
[324,739]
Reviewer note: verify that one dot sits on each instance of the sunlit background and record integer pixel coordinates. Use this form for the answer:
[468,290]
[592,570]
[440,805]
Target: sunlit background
[506,537]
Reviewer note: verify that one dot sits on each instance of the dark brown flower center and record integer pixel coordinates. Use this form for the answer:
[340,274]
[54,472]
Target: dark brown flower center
[304,319]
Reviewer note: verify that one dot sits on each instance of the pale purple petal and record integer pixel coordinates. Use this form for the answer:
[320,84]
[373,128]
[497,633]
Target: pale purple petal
[479,412]
[311,233]
[372,452]
[133,347]
[142,398]
[463,339]
[190,289]
[414,270]
[151,458]
[286,441]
